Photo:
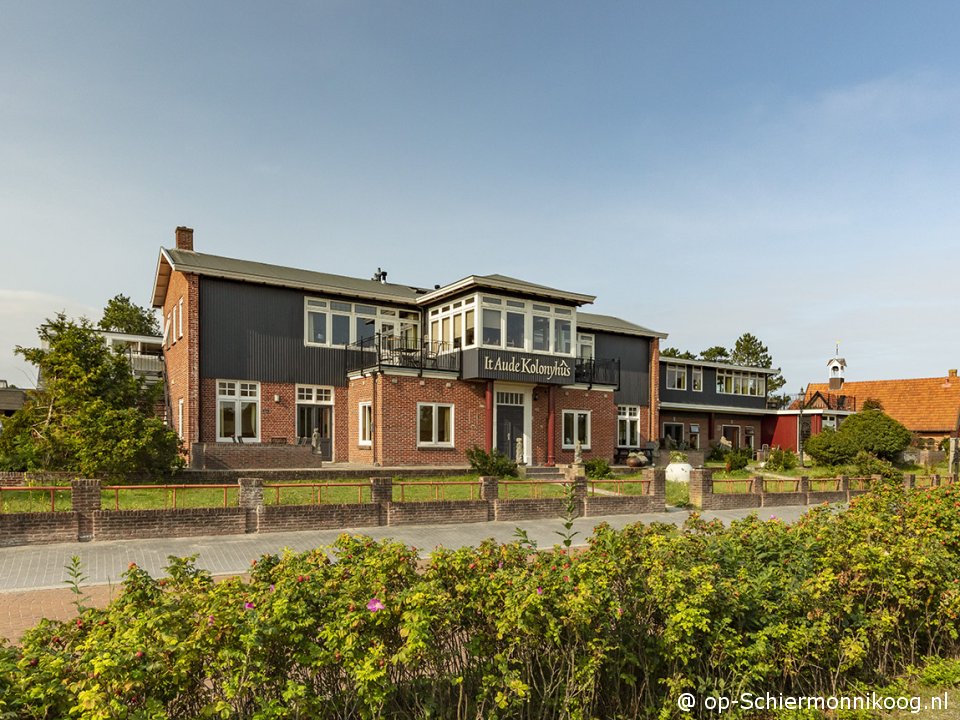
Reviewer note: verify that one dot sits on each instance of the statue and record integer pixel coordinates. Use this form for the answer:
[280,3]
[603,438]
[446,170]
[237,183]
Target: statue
[315,440]
[518,451]
[578,453]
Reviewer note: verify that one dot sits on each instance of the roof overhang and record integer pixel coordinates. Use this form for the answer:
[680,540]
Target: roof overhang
[503,285]
[721,366]
[725,409]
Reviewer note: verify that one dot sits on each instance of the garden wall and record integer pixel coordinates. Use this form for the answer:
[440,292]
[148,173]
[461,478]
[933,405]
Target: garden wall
[89,521]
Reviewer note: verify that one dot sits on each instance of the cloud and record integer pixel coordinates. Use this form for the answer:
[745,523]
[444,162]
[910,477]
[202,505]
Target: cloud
[21,313]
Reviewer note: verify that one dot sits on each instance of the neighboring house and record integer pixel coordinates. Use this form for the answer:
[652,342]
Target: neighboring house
[703,402]
[264,362]
[11,399]
[928,407]
[144,352]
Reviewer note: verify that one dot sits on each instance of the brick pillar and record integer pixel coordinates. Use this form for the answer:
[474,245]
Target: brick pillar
[701,487]
[804,484]
[656,479]
[86,501]
[381,493]
[756,485]
[909,481]
[551,426]
[489,488]
[844,486]
[580,494]
[934,481]
[251,500]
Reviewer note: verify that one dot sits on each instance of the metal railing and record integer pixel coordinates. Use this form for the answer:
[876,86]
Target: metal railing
[437,488]
[26,496]
[320,493]
[617,486]
[534,489]
[594,371]
[171,494]
[401,351]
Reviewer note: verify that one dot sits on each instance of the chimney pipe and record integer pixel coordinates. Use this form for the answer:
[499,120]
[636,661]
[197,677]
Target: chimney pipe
[184,238]
[952,373]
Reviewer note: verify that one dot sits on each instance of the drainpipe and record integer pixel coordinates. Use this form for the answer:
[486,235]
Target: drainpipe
[551,425]
[488,418]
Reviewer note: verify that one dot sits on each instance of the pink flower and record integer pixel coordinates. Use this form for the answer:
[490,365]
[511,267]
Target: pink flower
[248,605]
[211,620]
[374,605]
[539,591]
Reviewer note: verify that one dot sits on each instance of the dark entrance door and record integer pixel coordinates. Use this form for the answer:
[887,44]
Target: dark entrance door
[509,428]
[319,417]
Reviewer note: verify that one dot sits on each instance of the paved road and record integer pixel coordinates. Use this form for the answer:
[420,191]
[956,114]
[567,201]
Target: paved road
[42,566]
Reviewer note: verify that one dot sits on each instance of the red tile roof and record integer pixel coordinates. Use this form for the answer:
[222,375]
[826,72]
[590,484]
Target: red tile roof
[923,405]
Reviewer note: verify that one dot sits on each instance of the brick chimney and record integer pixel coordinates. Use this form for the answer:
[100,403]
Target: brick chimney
[184,238]
[952,373]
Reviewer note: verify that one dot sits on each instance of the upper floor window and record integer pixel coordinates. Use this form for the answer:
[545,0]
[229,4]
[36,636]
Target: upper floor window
[676,377]
[585,345]
[507,323]
[335,322]
[696,379]
[741,382]
[238,410]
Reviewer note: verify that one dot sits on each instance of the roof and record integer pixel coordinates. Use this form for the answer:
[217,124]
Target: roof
[11,399]
[930,405]
[722,366]
[188,261]
[504,283]
[608,323]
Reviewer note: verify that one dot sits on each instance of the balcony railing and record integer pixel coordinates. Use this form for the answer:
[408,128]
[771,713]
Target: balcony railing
[397,351]
[593,371]
[146,365]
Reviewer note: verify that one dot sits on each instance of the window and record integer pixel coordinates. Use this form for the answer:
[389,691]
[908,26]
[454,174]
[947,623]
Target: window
[541,333]
[740,382]
[576,427]
[238,410]
[676,377]
[628,426]
[366,424]
[334,322]
[515,323]
[673,434]
[434,425]
[491,327]
[694,437]
[561,342]
[180,318]
[697,379]
[180,418]
[504,323]
[585,343]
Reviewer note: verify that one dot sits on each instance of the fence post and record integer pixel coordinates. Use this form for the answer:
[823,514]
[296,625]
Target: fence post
[757,486]
[251,500]
[909,481]
[934,481]
[843,485]
[85,493]
[580,494]
[701,487]
[656,479]
[381,493]
[804,488]
[490,493]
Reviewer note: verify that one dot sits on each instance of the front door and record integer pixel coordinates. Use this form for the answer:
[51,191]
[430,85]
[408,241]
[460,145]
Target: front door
[509,428]
[316,417]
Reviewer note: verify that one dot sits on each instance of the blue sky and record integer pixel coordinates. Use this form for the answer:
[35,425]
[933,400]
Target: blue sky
[705,169]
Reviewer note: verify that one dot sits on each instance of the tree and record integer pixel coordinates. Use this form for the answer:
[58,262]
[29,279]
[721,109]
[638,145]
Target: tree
[870,431]
[90,415]
[673,352]
[750,352]
[871,404]
[121,315]
[717,353]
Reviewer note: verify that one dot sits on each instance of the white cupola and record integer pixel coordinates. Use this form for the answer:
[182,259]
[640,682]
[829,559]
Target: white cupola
[835,368]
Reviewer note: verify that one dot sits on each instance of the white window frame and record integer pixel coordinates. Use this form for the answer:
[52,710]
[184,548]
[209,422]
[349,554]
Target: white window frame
[396,317]
[563,424]
[180,318]
[434,443]
[180,418]
[683,431]
[696,379]
[676,377]
[629,414]
[741,382]
[238,397]
[365,429]
[586,340]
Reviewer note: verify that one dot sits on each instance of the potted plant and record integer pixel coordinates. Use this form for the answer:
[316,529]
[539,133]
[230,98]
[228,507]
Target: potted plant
[636,459]
[678,469]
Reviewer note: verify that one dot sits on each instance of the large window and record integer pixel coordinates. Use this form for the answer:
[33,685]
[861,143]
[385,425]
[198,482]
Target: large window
[628,426]
[366,424]
[454,325]
[673,434]
[334,322]
[740,382]
[238,410]
[314,411]
[697,379]
[585,345]
[676,377]
[434,425]
[576,427]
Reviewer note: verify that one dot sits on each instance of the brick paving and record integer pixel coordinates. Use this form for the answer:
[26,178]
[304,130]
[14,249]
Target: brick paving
[32,577]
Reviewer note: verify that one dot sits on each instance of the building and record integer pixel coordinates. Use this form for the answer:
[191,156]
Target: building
[11,399]
[703,402]
[271,366]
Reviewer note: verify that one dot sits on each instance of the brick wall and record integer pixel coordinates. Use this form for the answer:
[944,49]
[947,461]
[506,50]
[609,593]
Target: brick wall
[227,456]
[703,419]
[652,430]
[286,518]
[181,522]
[182,357]
[436,513]
[603,422]
[38,528]
[360,390]
[528,508]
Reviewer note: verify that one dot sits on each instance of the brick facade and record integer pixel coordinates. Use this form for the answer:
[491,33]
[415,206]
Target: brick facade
[181,355]
[711,425]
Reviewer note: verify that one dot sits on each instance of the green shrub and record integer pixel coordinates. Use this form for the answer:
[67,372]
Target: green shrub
[737,459]
[597,468]
[866,464]
[876,432]
[494,463]
[829,448]
[779,459]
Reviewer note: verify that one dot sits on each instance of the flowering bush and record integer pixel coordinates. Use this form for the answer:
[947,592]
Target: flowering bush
[615,630]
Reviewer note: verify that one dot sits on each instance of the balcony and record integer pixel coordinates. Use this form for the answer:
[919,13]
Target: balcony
[146,365]
[593,371]
[395,351]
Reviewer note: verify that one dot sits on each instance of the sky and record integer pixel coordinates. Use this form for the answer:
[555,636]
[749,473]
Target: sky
[704,168]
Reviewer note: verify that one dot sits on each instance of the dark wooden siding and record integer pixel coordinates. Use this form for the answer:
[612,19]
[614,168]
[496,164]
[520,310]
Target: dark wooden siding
[255,332]
[709,394]
[634,354]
